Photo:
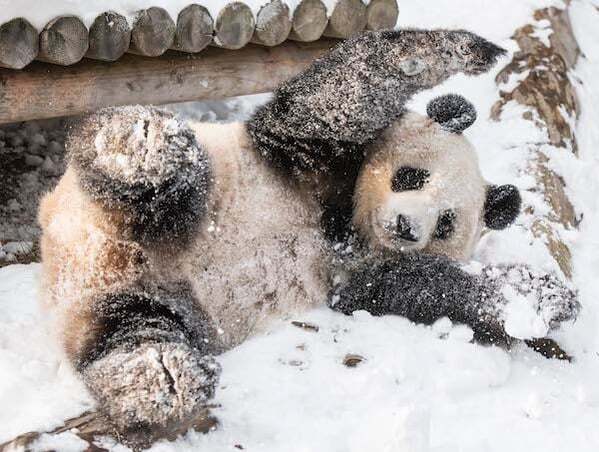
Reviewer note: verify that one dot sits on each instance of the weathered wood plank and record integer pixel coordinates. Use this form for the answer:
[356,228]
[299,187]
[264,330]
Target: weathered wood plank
[63,41]
[234,26]
[273,24]
[18,43]
[92,426]
[381,14]
[45,92]
[309,21]
[347,18]
[194,29]
[153,32]
[109,37]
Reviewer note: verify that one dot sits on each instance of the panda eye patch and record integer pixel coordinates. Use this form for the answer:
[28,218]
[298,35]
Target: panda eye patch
[408,178]
[445,225]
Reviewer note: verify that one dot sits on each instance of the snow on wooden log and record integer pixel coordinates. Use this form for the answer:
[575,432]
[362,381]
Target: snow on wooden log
[153,32]
[212,74]
[194,29]
[18,43]
[309,21]
[347,18]
[545,90]
[109,37]
[381,14]
[63,41]
[234,26]
[273,24]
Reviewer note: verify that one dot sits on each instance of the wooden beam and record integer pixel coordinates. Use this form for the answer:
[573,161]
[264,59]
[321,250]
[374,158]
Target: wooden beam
[347,18]
[234,26]
[381,14]
[42,91]
[18,43]
[272,24]
[153,32]
[63,41]
[309,21]
[109,37]
[194,29]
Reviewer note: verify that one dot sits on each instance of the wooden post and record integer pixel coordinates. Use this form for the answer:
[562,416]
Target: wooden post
[272,24]
[153,32]
[309,21]
[109,37]
[381,14]
[63,41]
[194,29]
[18,43]
[234,26]
[348,18]
[89,85]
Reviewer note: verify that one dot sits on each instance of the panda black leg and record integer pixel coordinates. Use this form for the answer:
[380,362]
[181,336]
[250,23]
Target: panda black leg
[330,112]
[144,164]
[422,288]
[425,288]
[150,362]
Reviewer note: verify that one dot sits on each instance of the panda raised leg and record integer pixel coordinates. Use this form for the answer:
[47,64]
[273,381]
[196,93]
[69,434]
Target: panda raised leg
[425,288]
[150,363]
[145,165]
[137,180]
[320,120]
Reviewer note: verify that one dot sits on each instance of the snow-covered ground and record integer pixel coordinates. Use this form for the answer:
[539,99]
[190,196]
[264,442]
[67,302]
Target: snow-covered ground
[419,388]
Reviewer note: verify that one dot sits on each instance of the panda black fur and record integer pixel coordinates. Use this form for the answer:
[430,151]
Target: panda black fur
[165,244]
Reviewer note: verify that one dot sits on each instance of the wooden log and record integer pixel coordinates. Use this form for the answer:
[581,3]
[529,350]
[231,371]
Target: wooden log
[234,26]
[347,18]
[545,90]
[92,427]
[309,21]
[44,92]
[18,43]
[194,29]
[381,14]
[63,41]
[109,37]
[153,32]
[273,24]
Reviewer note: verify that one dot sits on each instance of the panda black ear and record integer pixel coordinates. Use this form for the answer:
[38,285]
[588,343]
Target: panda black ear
[502,206]
[452,111]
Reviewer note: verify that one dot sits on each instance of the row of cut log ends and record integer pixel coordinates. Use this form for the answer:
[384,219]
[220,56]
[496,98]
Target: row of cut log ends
[65,40]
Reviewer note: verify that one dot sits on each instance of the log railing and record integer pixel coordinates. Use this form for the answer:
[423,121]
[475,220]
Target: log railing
[153,58]
[65,40]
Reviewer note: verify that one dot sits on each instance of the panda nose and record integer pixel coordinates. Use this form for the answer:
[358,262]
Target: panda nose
[404,229]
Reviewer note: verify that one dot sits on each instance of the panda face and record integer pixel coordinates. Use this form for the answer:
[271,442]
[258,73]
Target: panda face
[420,189]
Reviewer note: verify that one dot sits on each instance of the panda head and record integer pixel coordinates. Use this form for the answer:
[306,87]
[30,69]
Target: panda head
[420,188]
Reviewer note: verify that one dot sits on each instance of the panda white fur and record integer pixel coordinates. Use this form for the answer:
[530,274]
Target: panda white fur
[164,245]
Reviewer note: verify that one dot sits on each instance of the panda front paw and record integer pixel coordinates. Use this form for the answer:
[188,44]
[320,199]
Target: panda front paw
[154,390]
[535,302]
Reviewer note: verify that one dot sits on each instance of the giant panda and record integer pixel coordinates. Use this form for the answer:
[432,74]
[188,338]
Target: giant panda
[166,243]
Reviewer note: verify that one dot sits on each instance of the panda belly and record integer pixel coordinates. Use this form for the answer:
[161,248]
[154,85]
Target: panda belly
[260,255]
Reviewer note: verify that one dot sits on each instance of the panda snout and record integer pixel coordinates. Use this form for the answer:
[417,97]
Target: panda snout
[405,230]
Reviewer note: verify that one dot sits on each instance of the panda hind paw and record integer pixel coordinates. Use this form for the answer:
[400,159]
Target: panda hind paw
[153,390]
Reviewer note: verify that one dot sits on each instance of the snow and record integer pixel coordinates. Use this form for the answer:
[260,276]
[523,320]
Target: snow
[419,388]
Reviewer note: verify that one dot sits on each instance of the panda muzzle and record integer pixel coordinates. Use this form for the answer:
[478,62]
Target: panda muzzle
[404,230]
